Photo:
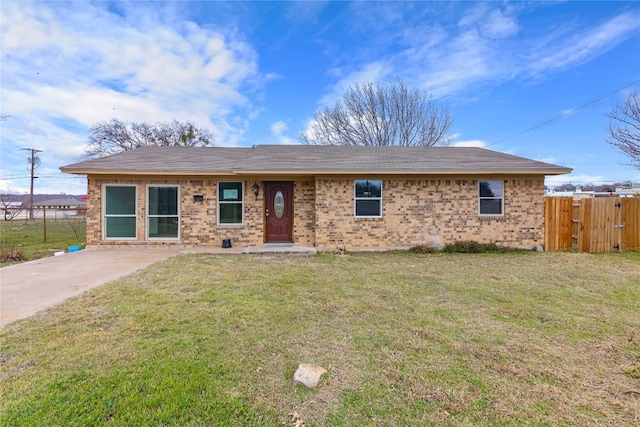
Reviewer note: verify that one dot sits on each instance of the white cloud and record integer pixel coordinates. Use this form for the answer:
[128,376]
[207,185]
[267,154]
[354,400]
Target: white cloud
[564,47]
[165,69]
[27,29]
[466,58]
[473,15]
[498,25]
[470,143]
[278,129]
[491,23]
[67,68]
[482,49]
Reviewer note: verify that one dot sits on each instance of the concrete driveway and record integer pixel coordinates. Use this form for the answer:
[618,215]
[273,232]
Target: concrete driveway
[32,286]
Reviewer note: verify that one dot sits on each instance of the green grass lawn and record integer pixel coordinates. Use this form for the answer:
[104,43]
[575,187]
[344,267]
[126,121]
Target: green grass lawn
[540,339]
[26,239]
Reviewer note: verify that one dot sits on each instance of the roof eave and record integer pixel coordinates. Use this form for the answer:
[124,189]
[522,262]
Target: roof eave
[142,172]
[407,172]
[321,172]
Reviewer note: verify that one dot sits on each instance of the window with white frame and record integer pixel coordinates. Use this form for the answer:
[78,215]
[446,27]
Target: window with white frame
[119,221]
[163,213]
[368,198]
[490,198]
[230,203]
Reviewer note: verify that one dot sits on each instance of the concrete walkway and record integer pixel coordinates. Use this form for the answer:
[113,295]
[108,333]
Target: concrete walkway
[32,286]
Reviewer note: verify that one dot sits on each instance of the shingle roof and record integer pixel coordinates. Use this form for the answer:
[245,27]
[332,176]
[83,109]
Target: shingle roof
[312,160]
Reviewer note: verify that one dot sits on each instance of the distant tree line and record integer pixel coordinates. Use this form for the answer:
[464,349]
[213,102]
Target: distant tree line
[598,188]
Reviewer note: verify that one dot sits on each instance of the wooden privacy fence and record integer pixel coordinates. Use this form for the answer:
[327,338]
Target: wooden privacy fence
[607,224]
[558,225]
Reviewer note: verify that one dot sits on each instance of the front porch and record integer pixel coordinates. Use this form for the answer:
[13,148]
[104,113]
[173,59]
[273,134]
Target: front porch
[280,249]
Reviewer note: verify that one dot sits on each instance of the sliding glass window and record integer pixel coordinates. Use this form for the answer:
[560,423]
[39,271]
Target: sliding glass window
[163,216]
[119,221]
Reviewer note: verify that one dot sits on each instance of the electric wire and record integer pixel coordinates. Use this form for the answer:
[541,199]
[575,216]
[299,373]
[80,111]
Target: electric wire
[568,113]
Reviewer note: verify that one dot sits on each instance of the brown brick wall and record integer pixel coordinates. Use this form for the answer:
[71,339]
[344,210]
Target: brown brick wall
[304,221]
[199,219]
[428,211]
[415,211]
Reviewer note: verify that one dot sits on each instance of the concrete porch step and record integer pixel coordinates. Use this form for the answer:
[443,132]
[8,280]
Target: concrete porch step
[280,248]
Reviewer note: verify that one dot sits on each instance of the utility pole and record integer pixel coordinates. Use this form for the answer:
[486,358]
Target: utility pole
[34,162]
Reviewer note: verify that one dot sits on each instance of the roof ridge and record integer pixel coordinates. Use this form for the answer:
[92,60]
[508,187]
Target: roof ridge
[313,159]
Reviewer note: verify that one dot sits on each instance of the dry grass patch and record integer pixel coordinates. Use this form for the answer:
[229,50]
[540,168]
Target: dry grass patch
[25,241]
[428,339]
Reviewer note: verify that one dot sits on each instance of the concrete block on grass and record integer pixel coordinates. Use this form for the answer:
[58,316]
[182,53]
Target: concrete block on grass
[308,375]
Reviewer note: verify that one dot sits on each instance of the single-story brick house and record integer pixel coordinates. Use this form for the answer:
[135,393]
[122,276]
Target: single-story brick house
[351,197]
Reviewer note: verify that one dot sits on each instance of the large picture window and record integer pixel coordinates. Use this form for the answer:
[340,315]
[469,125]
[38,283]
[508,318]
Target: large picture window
[490,197]
[230,203]
[119,212]
[368,198]
[163,219]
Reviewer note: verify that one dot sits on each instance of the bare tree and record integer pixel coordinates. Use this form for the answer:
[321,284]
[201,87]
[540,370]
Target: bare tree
[106,138]
[77,225]
[387,114]
[10,205]
[624,128]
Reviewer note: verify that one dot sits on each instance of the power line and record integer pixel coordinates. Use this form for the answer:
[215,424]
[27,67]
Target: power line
[568,113]
[14,177]
[41,177]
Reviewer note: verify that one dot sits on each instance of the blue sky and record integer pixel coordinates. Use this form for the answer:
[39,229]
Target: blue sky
[254,73]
